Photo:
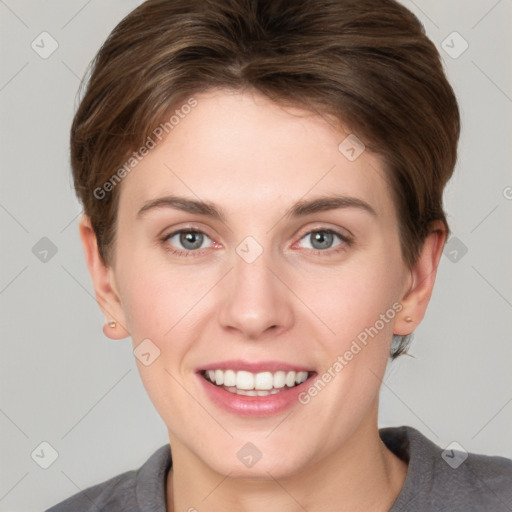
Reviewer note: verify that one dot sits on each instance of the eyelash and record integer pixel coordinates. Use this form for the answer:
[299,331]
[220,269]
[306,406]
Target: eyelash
[346,241]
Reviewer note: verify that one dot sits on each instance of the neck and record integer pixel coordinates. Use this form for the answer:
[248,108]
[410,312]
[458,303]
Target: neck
[361,475]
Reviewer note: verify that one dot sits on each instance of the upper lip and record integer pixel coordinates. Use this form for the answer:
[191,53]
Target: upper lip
[255,366]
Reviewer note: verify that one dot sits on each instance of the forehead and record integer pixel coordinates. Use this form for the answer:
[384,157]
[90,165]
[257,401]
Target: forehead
[241,149]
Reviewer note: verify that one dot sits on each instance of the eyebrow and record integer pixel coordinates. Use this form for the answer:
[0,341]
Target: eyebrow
[299,209]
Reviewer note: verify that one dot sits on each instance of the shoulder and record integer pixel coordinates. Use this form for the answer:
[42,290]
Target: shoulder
[448,478]
[114,495]
[132,491]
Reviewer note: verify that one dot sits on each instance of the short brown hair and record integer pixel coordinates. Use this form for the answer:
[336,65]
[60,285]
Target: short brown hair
[367,63]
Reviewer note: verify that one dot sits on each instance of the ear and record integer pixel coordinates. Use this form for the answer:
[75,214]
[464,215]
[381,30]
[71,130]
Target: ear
[104,284]
[421,282]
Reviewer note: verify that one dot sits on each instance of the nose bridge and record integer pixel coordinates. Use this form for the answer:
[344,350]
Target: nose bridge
[255,300]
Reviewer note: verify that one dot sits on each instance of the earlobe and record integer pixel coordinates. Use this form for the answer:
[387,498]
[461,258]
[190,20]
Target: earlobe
[104,286]
[114,330]
[423,275]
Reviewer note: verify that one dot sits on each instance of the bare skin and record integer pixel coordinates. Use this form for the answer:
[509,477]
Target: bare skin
[296,302]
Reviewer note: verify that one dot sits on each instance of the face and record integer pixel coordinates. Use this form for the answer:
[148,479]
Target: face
[252,252]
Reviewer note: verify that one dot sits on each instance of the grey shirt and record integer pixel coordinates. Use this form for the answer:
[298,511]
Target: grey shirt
[436,481]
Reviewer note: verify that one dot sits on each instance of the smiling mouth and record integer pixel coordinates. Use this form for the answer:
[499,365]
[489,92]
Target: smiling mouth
[255,384]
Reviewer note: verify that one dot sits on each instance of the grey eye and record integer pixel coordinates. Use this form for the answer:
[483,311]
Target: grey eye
[321,240]
[191,240]
[188,240]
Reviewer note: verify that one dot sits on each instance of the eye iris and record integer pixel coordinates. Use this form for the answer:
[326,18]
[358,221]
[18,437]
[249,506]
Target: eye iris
[191,240]
[321,240]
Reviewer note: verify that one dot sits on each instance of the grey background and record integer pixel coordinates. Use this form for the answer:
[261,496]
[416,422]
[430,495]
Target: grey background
[63,382]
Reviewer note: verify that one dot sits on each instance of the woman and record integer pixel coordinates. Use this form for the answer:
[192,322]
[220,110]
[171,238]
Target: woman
[262,188]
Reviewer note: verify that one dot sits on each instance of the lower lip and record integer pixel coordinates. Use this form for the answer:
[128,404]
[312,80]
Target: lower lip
[242,405]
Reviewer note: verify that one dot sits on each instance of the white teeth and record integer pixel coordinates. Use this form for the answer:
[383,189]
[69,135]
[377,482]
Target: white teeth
[263,381]
[279,379]
[255,384]
[244,380]
[290,379]
[251,392]
[246,393]
[229,378]
[301,377]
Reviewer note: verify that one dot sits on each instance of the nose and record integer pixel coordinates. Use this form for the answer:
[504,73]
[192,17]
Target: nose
[256,302]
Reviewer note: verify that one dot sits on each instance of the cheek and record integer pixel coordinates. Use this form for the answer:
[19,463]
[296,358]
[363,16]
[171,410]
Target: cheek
[158,297]
[354,298]
[147,304]
[161,304]
[361,305]
[360,309]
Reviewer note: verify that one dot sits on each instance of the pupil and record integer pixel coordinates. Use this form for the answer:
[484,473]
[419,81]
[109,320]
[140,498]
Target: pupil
[191,240]
[321,240]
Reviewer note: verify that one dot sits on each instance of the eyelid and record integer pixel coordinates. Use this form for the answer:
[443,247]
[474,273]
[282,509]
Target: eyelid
[179,231]
[346,239]
[164,239]
[345,234]
[344,242]
[185,226]
[172,234]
